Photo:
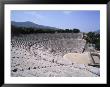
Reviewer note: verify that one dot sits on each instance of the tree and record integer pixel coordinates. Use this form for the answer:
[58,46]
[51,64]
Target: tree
[76,31]
[67,30]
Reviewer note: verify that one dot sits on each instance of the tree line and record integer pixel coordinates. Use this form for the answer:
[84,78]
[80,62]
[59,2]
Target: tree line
[23,30]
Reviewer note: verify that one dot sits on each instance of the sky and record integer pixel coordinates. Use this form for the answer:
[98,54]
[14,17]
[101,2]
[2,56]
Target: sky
[85,20]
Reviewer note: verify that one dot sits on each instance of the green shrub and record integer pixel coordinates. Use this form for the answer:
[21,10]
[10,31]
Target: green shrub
[93,38]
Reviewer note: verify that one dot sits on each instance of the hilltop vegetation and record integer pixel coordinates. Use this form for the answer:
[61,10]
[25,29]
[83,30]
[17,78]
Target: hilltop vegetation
[23,30]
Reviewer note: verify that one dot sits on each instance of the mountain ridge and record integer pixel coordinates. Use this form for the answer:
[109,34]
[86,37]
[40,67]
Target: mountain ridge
[28,24]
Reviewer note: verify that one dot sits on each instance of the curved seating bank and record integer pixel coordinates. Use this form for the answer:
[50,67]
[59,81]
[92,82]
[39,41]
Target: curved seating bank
[49,55]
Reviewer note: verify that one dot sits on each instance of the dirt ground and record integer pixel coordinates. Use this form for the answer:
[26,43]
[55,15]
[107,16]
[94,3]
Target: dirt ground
[80,58]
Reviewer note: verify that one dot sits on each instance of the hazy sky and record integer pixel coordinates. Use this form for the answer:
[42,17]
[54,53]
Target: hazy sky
[65,19]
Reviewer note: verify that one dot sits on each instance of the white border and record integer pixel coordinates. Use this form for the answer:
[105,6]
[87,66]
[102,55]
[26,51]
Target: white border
[64,80]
